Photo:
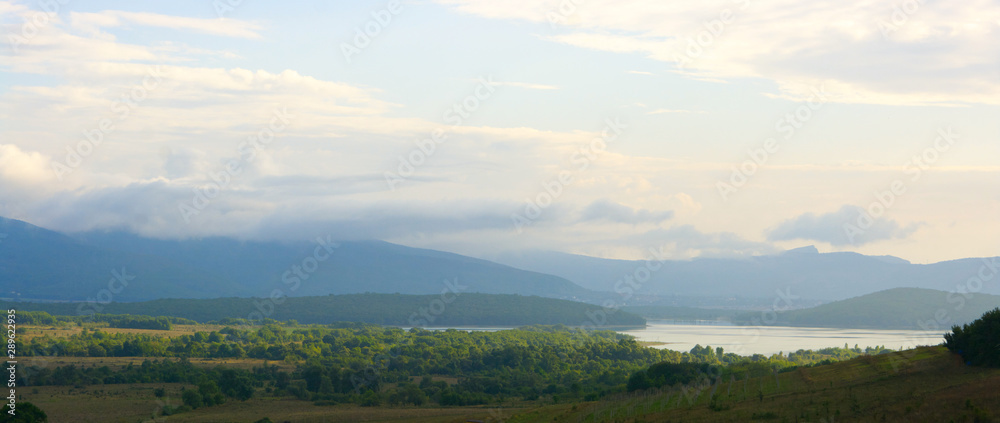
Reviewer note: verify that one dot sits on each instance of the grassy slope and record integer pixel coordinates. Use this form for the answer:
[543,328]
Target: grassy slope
[923,385]
[137,403]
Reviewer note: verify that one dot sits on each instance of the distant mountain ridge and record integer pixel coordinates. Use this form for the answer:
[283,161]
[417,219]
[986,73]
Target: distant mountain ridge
[804,272]
[40,264]
[898,308]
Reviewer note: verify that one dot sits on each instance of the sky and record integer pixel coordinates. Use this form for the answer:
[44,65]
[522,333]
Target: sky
[605,128]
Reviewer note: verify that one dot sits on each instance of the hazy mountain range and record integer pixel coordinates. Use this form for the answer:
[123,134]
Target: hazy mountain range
[37,263]
[40,264]
[803,272]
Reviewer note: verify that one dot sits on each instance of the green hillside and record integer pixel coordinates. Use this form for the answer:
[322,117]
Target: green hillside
[680,313]
[928,384]
[899,308]
[384,309]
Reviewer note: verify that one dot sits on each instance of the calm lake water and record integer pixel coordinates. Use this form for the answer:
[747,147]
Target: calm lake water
[767,340]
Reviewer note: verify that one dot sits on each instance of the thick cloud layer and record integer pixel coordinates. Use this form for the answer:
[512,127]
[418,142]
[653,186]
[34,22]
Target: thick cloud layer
[850,225]
[193,126]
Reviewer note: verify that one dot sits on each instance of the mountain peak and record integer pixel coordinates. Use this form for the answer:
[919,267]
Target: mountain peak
[809,249]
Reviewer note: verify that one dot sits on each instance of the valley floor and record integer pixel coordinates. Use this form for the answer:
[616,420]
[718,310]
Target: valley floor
[922,385]
[927,384]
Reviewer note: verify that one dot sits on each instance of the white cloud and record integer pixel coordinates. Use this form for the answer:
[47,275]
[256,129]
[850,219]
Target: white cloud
[669,111]
[92,23]
[940,55]
[526,85]
[619,213]
[324,172]
[21,167]
[11,8]
[189,122]
[840,228]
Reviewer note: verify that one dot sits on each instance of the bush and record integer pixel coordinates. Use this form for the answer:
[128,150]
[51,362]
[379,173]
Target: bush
[169,410]
[35,318]
[138,322]
[191,398]
[978,342]
[669,374]
[370,399]
[26,413]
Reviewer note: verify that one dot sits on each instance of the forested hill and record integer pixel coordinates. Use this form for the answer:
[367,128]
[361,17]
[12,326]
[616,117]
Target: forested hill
[900,308]
[385,309]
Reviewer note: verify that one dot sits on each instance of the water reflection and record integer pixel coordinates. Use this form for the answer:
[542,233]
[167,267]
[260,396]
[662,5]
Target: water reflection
[769,340]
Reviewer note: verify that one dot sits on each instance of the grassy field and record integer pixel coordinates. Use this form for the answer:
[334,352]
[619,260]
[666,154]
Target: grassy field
[923,385]
[136,403]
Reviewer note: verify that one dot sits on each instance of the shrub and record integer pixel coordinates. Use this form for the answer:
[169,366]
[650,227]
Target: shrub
[978,342]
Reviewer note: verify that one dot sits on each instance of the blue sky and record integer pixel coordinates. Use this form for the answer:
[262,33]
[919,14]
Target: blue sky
[687,97]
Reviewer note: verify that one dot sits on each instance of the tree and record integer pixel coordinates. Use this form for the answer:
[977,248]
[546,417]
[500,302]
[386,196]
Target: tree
[210,393]
[191,398]
[236,384]
[977,342]
[639,381]
[25,412]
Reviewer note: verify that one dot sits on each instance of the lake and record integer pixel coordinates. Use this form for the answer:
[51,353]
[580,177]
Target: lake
[767,340]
